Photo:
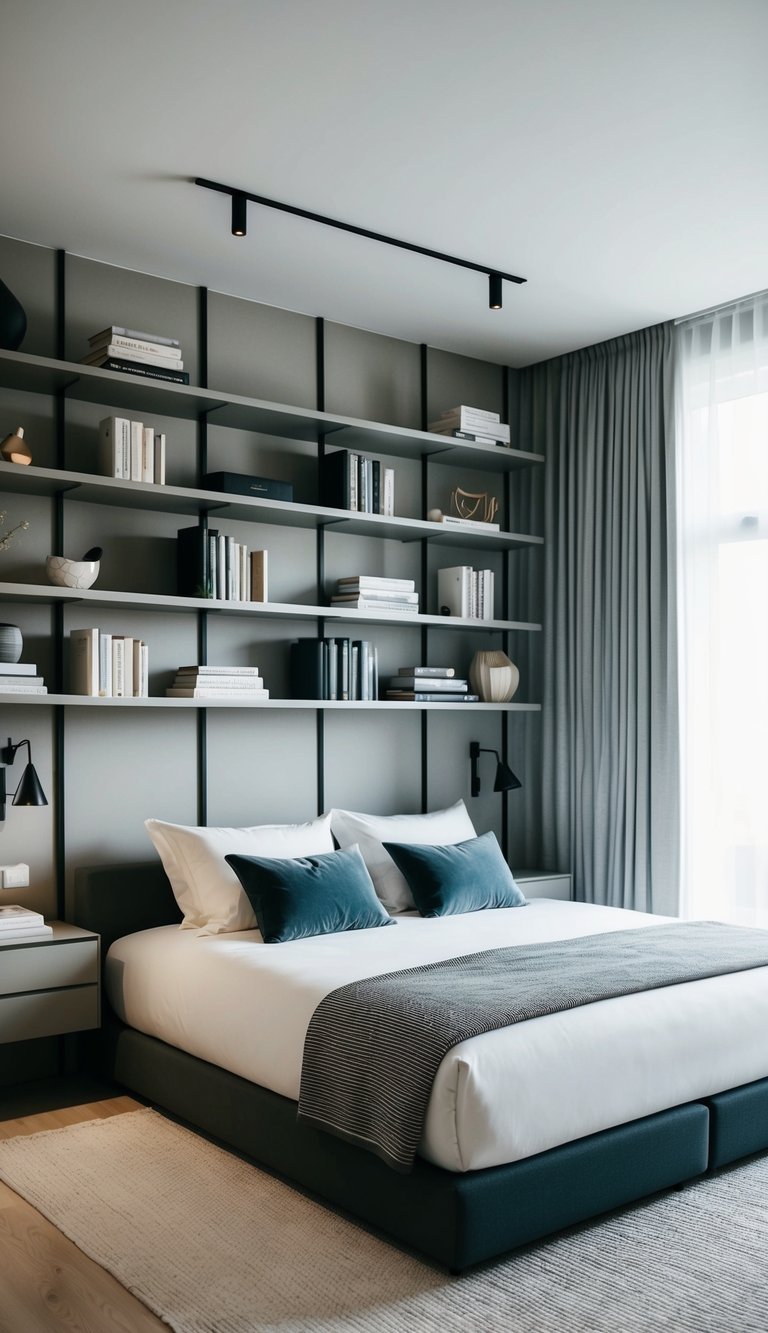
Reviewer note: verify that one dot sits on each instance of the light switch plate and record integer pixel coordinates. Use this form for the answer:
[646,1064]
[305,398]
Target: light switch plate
[15,877]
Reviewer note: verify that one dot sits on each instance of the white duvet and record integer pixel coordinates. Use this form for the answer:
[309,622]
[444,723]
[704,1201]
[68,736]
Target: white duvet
[244,1005]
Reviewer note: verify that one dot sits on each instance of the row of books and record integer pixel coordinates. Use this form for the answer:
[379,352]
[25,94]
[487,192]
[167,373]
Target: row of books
[109,666]
[369,592]
[21,678]
[425,685]
[131,451]
[150,355]
[21,923]
[212,564]
[466,592]
[352,481]
[471,423]
[331,669]
[218,682]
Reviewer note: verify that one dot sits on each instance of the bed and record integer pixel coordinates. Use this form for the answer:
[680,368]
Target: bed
[211,1029]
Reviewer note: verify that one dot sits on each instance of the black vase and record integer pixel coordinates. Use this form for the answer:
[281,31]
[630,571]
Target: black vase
[13,320]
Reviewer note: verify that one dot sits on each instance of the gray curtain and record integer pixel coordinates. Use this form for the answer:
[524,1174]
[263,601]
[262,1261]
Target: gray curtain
[603,416]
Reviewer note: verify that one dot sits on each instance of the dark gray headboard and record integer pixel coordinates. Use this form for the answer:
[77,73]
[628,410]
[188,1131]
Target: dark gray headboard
[117,900]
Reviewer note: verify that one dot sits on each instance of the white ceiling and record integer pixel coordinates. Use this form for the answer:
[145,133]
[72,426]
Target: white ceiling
[612,152]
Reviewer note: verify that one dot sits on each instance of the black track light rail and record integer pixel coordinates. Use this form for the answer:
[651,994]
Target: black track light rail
[239,197]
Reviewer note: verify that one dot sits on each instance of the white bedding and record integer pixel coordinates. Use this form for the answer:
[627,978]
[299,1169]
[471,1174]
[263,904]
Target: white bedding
[244,1005]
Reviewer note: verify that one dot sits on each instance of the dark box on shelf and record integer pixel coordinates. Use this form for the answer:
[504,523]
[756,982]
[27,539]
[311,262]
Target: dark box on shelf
[239,483]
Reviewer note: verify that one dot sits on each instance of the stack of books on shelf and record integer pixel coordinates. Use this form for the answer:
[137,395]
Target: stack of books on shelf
[334,669]
[472,423]
[370,592]
[131,451]
[211,564]
[351,481]
[428,685]
[150,355]
[218,682]
[466,592]
[21,678]
[20,923]
[108,666]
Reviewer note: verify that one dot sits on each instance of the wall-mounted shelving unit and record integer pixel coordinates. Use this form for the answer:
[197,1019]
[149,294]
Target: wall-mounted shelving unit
[66,383]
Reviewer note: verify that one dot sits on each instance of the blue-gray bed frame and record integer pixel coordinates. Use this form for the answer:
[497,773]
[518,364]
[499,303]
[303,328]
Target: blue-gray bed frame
[458,1219]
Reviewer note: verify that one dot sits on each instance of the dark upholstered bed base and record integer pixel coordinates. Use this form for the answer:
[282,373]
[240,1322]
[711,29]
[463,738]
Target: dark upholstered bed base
[458,1219]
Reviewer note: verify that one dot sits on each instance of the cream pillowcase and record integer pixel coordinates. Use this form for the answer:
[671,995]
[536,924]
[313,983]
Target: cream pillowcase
[205,887]
[441,828]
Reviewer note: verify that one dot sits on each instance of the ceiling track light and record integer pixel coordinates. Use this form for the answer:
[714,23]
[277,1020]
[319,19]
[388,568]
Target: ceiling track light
[494,291]
[241,198]
[239,207]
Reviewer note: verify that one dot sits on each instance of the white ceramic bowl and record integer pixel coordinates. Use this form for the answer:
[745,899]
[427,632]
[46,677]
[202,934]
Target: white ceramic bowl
[71,573]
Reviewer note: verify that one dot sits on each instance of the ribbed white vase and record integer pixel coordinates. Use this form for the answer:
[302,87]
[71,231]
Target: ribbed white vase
[493,676]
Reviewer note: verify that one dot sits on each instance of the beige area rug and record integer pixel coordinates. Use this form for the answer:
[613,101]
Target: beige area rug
[213,1245]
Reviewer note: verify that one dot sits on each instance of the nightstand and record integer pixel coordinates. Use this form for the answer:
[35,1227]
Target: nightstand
[544,884]
[49,987]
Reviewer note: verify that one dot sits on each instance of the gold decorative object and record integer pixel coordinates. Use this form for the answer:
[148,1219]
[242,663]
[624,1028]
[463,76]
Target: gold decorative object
[477,505]
[15,449]
[493,676]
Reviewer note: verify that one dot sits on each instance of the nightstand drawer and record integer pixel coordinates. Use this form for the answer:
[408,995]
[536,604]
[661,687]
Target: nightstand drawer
[48,1013]
[47,966]
[544,884]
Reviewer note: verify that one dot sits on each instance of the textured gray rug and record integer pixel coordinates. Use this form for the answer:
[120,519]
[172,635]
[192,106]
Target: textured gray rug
[213,1245]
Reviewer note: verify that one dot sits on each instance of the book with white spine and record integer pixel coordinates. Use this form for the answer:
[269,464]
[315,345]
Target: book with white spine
[376,581]
[207,692]
[148,454]
[471,524]
[84,661]
[112,351]
[128,344]
[160,448]
[116,330]
[137,449]
[115,447]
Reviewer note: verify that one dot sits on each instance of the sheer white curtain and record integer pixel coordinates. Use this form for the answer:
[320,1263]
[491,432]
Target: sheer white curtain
[723,592]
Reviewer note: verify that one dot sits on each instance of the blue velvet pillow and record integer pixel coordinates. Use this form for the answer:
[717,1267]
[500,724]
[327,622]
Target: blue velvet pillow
[462,877]
[311,895]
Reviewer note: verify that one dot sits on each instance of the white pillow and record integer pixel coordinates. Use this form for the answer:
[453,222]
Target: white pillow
[441,828]
[205,887]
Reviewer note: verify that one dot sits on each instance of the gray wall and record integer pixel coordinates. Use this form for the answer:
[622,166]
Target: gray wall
[124,766]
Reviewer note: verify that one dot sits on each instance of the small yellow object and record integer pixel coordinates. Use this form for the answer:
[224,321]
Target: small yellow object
[15,449]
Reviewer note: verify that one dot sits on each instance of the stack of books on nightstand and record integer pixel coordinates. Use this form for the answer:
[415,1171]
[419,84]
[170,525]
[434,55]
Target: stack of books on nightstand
[20,678]
[371,592]
[428,685]
[20,923]
[218,682]
[472,423]
[151,355]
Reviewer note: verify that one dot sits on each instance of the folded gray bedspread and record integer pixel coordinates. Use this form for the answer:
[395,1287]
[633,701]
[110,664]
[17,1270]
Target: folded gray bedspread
[373,1047]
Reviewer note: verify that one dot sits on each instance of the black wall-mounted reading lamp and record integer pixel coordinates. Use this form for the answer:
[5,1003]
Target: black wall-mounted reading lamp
[30,789]
[505,779]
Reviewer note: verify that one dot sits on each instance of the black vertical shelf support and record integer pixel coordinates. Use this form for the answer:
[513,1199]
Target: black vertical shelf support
[202,616]
[423,358]
[505,611]
[320,556]
[59,822]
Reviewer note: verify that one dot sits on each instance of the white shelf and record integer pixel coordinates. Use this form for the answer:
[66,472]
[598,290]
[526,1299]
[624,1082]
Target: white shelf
[379,705]
[184,500]
[37,374]
[147,601]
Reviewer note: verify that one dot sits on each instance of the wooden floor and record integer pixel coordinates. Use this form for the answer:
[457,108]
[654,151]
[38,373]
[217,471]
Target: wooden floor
[46,1283]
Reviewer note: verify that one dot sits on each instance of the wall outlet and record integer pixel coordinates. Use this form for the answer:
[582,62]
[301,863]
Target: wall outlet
[14,877]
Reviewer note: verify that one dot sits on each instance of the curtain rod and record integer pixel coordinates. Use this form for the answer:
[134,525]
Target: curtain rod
[725,305]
